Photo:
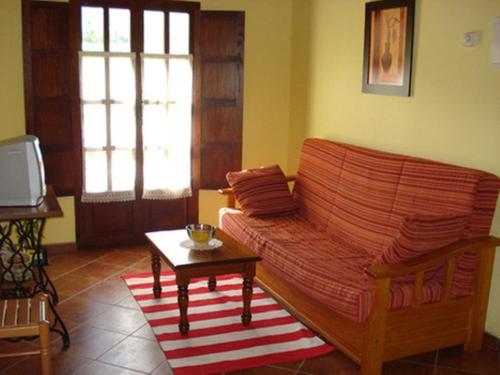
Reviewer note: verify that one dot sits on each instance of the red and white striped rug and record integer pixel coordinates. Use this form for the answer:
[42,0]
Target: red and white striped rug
[217,341]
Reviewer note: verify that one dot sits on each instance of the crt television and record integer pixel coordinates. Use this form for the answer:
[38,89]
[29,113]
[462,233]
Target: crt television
[22,176]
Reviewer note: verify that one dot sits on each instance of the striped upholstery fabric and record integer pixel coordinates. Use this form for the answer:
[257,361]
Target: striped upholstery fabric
[317,180]
[353,200]
[328,269]
[479,225]
[262,191]
[362,210]
[419,235]
[436,188]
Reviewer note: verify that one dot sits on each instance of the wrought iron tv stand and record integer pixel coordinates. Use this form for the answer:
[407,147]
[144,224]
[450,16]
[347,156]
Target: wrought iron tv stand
[22,257]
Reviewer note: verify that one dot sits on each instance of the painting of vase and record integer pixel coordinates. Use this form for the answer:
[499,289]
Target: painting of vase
[387,46]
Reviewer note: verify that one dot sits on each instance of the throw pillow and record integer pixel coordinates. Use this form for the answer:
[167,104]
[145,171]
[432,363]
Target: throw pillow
[262,191]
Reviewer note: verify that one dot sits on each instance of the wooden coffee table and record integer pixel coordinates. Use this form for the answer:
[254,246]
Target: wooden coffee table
[231,257]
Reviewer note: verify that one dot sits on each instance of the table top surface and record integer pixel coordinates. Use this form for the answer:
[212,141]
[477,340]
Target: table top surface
[48,208]
[167,244]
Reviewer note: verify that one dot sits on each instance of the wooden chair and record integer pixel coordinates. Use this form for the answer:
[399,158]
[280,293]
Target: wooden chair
[27,317]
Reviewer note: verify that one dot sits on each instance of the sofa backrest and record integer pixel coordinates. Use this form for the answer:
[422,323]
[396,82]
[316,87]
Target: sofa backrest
[361,195]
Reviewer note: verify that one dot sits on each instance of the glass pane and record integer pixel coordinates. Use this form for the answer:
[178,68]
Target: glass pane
[96,178]
[179,33]
[122,79]
[92,78]
[92,29]
[154,31]
[119,30]
[94,125]
[154,86]
[180,80]
[155,129]
[180,88]
[123,126]
[156,169]
[123,170]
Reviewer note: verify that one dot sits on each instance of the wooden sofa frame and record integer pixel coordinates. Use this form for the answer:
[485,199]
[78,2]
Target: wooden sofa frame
[391,334]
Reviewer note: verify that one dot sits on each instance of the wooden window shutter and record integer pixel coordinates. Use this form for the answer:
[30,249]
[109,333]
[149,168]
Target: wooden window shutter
[222,46]
[47,89]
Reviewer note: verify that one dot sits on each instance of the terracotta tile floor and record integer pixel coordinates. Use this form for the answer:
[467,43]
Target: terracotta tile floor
[109,334]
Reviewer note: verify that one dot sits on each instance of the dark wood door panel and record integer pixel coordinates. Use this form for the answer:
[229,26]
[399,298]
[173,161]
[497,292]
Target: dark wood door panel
[223,33]
[47,18]
[224,157]
[53,117]
[219,124]
[159,215]
[109,224]
[60,170]
[112,218]
[47,82]
[50,75]
[220,81]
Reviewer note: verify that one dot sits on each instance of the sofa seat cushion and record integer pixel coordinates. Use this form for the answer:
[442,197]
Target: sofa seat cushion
[326,268]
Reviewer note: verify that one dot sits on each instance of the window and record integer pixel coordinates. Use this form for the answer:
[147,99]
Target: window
[113,109]
[166,107]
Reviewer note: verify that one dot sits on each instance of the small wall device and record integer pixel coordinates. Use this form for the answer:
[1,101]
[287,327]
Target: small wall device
[22,175]
[495,44]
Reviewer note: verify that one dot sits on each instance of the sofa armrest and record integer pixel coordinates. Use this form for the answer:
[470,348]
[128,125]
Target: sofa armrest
[437,257]
[228,192]
[485,248]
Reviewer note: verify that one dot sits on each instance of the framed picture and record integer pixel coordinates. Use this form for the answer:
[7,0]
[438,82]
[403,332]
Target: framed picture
[388,47]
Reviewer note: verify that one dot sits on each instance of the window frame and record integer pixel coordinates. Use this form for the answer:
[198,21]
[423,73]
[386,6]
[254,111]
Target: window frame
[137,33]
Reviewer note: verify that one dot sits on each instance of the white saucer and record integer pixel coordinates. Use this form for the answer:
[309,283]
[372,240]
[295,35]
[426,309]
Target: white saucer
[214,243]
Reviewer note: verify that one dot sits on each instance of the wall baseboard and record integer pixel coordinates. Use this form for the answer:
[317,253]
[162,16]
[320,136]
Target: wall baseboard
[60,248]
[491,342]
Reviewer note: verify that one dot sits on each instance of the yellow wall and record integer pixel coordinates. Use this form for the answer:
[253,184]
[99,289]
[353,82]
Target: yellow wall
[303,62]
[453,114]
[11,72]
[266,87]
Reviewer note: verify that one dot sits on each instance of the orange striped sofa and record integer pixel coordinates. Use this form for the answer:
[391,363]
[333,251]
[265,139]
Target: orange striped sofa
[344,262]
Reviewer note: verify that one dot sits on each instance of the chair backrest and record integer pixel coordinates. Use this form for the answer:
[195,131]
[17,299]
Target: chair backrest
[27,317]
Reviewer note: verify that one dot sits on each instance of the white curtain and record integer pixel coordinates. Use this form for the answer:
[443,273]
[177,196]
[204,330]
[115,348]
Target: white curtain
[107,84]
[166,128]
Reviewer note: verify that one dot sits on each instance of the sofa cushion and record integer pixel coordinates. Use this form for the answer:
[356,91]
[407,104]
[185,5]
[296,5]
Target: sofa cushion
[421,234]
[370,192]
[317,179]
[326,268]
[262,191]
[362,209]
[436,188]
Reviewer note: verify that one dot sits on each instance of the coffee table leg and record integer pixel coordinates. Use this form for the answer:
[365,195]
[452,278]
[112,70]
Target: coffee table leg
[212,283]
[156,266]
[183,299]
[246,316]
